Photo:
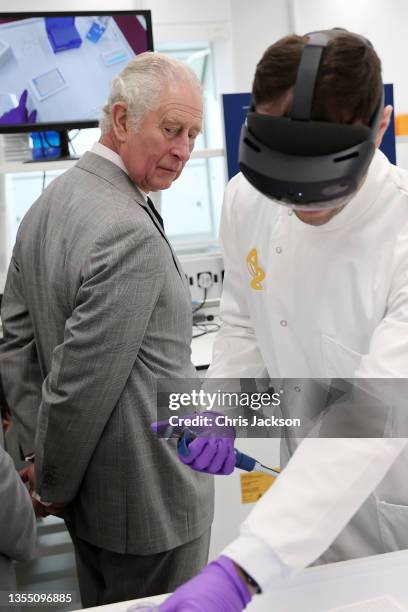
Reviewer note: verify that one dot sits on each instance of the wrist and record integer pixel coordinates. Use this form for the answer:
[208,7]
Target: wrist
[252,586]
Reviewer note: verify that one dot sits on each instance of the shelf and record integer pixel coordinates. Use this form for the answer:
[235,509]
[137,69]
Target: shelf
[46,166]
[40,166]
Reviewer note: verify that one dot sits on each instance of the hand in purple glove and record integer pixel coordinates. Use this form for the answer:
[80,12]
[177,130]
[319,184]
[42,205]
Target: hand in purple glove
[210,455]
[218,588]
[208,447]
[19,114]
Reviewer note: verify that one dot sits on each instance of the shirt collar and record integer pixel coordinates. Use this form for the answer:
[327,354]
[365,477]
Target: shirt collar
[363,199]
[107,153]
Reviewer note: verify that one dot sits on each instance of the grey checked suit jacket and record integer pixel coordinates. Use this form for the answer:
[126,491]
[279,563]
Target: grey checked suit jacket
[95,309]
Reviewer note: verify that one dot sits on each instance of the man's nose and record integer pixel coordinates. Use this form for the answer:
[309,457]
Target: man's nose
[182,147]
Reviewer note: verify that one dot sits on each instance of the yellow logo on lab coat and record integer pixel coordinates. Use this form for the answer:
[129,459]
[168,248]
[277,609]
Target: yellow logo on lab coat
[255,270]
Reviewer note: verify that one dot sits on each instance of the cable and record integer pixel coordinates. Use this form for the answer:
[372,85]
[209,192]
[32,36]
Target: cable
[70,141]
[206,329]
[44,135]
[202,303]
[41,139]
[71,138]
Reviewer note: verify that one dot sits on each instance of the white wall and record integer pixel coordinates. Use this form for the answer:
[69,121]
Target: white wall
[181,21]
[254,26]
[239,30]
[242,29]
[384,22]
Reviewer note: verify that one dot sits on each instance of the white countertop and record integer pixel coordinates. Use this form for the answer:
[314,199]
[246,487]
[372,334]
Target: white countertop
[201,348]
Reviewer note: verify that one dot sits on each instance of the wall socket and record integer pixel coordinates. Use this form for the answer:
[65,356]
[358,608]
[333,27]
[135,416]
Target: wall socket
[203,272]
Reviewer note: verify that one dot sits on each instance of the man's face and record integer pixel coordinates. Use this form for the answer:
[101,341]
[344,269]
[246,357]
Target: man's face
[317,217]
[156,154]
[311,217]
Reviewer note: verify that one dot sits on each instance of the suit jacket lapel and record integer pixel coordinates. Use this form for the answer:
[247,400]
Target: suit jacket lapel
[90,162]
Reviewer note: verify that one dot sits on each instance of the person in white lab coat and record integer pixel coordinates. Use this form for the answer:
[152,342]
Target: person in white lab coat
[323,294]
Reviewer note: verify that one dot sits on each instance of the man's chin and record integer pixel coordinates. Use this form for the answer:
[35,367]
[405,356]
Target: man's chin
[317,217]
[164,181]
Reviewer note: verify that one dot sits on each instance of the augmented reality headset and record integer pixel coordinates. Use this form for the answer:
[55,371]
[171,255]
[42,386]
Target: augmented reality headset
[301,162]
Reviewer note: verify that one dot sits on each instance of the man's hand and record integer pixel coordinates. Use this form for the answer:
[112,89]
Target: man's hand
[217,588]
[210,455]
[205,448]
[28,475]
[6,419]
[40,508]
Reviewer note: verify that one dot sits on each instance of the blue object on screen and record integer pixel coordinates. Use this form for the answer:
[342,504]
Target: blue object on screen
[98,27]
[62,33]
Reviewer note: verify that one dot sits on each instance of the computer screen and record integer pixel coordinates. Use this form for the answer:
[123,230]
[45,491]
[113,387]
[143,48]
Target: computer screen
[56,68]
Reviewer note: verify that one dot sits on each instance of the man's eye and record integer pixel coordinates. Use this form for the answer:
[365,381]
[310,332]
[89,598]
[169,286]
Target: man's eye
[170,130]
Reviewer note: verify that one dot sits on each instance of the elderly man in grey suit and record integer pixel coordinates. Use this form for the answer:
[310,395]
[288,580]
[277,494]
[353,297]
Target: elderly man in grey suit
[96,309]
[17,519]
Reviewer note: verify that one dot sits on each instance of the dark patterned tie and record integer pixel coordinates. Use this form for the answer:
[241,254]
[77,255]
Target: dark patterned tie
[154,211]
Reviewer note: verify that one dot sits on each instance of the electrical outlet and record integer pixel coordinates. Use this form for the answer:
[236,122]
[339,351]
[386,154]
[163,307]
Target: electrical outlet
[205,280]
[203,271]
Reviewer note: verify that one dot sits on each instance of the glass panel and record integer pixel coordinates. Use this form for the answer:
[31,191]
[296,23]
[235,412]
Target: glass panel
[191,207]
[198,56]
[22,190]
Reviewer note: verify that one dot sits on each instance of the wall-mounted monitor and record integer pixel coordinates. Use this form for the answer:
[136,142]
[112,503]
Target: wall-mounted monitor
[55,68]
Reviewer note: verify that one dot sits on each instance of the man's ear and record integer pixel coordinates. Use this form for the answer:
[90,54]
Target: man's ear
[119,116]
[385,122]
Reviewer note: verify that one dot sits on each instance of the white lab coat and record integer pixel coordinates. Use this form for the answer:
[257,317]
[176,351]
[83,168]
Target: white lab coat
[333,303]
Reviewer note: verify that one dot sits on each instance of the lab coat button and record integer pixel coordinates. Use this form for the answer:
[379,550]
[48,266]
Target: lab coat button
[283,323]
[279,250]
[290,212]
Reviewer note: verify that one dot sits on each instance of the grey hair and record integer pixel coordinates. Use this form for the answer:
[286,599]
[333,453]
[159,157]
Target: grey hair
[141,82]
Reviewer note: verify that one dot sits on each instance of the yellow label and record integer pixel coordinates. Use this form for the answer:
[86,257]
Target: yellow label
[254,485]
[255,270]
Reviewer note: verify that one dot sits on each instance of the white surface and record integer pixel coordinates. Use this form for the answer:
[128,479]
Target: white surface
[318,589]
[201,348]
[379,604]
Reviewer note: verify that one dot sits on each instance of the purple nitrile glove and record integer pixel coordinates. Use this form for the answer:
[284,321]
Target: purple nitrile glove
[19,114]
[210,455]
[205,447]
[217,588]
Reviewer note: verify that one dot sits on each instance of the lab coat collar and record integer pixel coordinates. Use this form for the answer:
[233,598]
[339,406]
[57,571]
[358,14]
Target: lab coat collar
[361,202]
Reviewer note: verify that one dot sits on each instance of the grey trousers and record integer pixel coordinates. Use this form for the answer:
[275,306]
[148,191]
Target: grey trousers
[106,577]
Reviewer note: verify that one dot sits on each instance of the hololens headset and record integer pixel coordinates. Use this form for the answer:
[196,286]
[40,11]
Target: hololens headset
[302,163]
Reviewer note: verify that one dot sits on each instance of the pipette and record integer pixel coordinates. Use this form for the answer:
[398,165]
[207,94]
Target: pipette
[186,435]
[242,461]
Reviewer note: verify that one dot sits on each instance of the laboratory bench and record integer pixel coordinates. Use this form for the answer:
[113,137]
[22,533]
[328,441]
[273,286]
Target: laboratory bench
[371,584]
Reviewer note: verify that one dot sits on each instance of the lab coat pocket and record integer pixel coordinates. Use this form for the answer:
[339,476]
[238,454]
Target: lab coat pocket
[393,519]
[339,360]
